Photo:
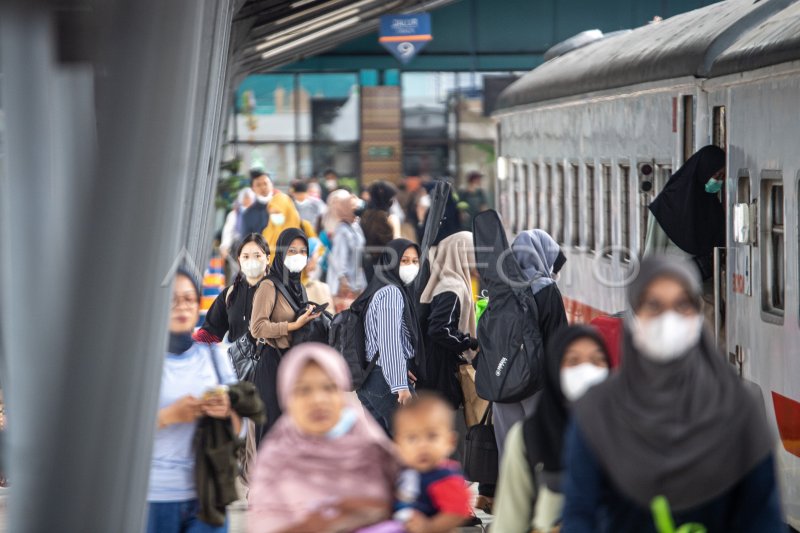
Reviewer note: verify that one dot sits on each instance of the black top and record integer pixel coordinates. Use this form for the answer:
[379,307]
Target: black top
[692,218]
[444,343]
[231,317]
[254,218]
[552,315]
[278,273]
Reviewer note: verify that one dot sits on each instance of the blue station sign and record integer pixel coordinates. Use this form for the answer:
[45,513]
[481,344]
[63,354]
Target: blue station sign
[405,35]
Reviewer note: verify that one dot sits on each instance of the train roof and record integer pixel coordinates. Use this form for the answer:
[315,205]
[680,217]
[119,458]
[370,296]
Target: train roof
[725,37]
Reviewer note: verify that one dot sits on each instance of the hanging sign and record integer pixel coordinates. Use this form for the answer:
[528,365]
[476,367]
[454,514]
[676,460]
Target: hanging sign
[405,35]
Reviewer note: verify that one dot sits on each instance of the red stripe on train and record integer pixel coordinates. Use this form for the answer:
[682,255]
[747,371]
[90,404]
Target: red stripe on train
[787,415]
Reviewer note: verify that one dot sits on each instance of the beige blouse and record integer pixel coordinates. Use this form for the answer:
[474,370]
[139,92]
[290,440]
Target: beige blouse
[271,316]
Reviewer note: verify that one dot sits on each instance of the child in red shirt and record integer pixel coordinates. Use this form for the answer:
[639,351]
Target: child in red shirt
[433,496]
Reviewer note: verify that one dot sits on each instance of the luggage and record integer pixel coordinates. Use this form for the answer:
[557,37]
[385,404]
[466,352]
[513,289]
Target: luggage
[511,352]
[348,338]
[481,461]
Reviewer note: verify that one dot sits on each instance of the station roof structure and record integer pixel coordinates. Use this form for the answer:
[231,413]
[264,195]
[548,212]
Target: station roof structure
[270,33]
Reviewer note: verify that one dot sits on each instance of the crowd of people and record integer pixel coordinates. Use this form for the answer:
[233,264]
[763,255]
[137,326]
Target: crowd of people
[668,440]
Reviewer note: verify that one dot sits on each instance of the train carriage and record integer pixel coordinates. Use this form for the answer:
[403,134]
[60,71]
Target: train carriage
[588,139]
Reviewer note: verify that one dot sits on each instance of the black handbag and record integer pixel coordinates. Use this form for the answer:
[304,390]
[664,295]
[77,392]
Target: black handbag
[317,330]
[480,454]
[245,353]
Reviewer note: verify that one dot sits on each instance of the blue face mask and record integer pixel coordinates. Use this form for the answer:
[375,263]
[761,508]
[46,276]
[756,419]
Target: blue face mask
[713,186]
[345,424]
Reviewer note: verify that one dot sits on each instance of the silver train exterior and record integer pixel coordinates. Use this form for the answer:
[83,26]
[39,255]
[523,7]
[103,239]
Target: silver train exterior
[588,138]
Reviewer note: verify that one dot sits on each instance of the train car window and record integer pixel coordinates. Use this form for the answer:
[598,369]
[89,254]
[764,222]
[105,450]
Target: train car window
[533,189]
[559,205]
[522,204]
[605,197]
[625,212]
[719,127]
[663,172]
[512,200]
[544,199]
[743,188]
[773,269]
[574,211]
[688,126]
[590,223]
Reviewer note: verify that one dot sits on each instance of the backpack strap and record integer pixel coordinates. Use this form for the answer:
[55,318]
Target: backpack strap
[282,288]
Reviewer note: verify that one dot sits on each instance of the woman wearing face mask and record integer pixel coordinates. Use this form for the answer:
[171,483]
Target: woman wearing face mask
[529,494]
[540,259]
[391,328]
[190,371]
[688,219]
[345,276]
[675,421]
[273,317]
[230,312]
[284,215]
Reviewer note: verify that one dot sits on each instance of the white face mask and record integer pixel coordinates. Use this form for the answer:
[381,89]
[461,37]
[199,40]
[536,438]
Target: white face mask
[254,268]
[408,273]
[330,184]
[295,263]
[264,199]
[666,337]
[279,219]
[576,380]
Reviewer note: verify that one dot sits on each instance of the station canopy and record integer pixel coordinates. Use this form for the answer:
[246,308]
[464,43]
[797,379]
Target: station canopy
[271,33]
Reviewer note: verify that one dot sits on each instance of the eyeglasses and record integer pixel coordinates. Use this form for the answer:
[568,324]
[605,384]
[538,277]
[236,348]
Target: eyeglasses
[188,301]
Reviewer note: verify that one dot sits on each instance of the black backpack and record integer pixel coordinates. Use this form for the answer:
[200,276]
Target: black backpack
[348,338]
[510,359]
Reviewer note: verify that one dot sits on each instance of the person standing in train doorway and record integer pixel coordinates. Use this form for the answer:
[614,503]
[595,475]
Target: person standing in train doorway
[688,218]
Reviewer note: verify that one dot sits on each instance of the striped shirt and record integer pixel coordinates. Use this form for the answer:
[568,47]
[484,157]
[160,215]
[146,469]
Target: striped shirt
[387,334]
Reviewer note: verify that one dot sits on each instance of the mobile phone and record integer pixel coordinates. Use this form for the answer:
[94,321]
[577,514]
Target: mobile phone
[318,309]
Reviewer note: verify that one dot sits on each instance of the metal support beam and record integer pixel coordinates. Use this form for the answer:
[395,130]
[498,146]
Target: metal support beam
[98,160]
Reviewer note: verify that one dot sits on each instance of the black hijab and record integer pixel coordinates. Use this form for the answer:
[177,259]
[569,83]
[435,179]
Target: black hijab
[692,218]
[544,430]
[686,429]
[278,271]
[381,194]
[387,272]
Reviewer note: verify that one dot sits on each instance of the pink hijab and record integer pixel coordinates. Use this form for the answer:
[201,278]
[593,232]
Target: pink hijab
[296,474]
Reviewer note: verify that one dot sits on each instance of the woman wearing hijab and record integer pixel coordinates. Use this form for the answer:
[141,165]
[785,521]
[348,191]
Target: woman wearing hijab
[190,370]
[529,494]
[675,421]
[284,215]
[688,219]
[540,259]
[325,467]
[230,313]
[451,326]
[273,319]
[345,275]
[391,329]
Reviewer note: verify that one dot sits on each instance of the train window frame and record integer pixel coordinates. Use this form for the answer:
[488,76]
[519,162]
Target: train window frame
[521,190]
[512,203]
[590,226]
[559,203]
[772,253]
[544,197]
[606,180]
[533,192]
[625,242]
[575,206]
[687,105]
[719,127]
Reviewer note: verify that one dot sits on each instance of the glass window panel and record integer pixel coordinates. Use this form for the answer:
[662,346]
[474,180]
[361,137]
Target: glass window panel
[315,158]
[625,211]
[278,159]
[265,108]
[559,205]
[427,102]
[574,216]
[605,196]
[328,107]
[591,223]
[430,158]
[533,182]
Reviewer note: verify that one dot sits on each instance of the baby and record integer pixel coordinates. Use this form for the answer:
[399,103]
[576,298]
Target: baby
[432,495]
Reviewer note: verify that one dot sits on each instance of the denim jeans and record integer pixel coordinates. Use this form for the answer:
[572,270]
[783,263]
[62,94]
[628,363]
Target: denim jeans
[178,517]
[377,397]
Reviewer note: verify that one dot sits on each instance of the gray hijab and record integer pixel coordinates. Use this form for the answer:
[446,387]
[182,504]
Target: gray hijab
[688,429]
[536,252]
